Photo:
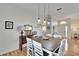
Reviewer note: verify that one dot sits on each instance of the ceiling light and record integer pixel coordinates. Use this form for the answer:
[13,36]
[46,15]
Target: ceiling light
[63,22]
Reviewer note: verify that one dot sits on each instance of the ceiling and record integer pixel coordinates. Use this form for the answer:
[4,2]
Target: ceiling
[68,9]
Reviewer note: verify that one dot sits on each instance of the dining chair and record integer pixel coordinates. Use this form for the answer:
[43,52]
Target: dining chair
[37,48]
[29,47]
[59,51]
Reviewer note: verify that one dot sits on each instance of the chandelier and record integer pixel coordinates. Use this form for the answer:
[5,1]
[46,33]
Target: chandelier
[43,22]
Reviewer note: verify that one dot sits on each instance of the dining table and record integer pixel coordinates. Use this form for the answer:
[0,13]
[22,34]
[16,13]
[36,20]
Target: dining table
[49,44]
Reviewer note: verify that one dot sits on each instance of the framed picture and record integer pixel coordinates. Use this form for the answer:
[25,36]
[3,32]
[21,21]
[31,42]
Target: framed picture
[8,25]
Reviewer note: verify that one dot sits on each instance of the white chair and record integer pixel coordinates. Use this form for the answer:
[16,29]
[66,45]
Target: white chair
[61,49]
[37,48]
[29,47]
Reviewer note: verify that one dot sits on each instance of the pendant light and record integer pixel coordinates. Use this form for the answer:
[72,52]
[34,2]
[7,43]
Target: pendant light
[39,21]
[49,17]
[44,21]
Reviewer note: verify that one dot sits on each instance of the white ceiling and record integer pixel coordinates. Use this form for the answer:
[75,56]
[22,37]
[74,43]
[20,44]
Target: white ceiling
[68,9]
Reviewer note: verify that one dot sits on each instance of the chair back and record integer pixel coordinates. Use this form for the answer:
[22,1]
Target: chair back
[37,48]
[29,47]
[62,48]
[59,51]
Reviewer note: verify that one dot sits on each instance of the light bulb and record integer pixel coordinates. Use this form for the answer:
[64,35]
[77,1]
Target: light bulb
[38,20]
[44,21]
[48,23]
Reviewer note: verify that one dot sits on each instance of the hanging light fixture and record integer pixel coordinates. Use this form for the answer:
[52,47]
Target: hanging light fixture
[49,16]
[38,21]
[44,21]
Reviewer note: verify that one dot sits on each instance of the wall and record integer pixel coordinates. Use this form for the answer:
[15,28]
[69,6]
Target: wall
[75,24]
[9,38]
[61,27]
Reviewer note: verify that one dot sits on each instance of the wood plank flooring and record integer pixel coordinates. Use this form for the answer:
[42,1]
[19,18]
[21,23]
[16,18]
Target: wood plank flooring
[17,52]
[73,47]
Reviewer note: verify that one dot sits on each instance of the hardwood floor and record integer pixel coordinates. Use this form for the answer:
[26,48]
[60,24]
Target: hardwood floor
[73,47]
[17,52]
[73,50]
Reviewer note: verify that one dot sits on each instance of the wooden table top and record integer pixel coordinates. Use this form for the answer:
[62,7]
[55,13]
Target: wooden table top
[50,44]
